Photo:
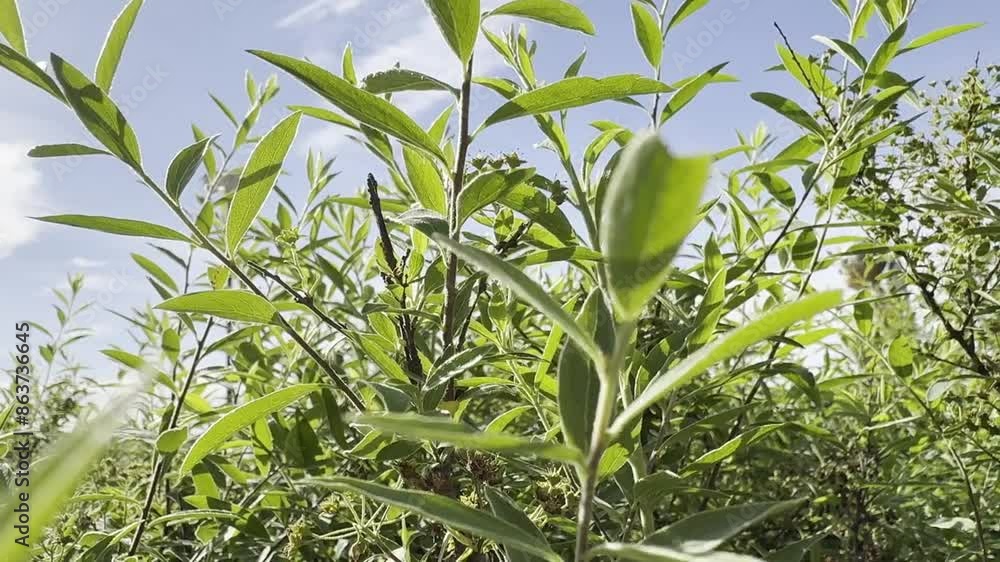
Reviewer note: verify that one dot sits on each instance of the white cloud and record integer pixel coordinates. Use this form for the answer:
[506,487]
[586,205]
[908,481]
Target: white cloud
[316,11]
[20,191]
[85,263]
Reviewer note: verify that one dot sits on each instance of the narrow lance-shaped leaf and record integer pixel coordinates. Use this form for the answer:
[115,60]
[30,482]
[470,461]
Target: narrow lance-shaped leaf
[69,149]
[771,323]
[848,51]
[242,306]
[488,188]
[808,72]
[258,179]
[647,32]
[98,113]
[26,69]
[880,61]
[650,553]
[790,110]
[403,80]
[579,381]
[554,12]
[458,21]
[706,531]
[122,227]
[363,106]
[686,10]
[648,184]
[185,165]
[241,417]
[939,35]
[524,288]
[114,45]
[10,26]
[690,89]
[508,510]
[574,92]
[445,430]
[448,512]
[425,180]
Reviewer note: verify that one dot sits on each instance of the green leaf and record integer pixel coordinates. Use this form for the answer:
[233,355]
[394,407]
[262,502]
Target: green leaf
[706,531]
[579,381]
[458,21]
[403,80]
[98,113]
[728,345]
[524,288]
[686,10]
[554,12]
[574,92]
[122,227]
[487,188]
[901,355]
[790,110]
[156,271]
[848,51]
[10,26]
[647,553]
[414,426]
[258,179]
[185,164]
[647,32]
[532,203]
[114,45]
[778,187]
[425,180]
[241,417]
[373,351]
[879,62]
[648,184]
[808,72]
[427,222]
[325,115]
[61,150]
[795,551]
[689,90]
[457,364]
[242,306]
[363,106]
[56,476]
[25,68]
[508,510]
[171,440]
[448,512]
[938,35]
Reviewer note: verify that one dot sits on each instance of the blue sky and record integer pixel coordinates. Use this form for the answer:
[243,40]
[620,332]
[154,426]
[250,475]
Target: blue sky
[183,49]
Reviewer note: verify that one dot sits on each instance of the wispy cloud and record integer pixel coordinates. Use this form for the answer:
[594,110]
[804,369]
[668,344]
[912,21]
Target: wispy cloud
[318,10]
[86,263]
[20,190]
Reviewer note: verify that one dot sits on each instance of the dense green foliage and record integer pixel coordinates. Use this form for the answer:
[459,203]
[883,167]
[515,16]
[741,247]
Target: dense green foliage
[470,360]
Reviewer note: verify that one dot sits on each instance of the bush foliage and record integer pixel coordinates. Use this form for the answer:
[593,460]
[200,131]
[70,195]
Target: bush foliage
[543,356]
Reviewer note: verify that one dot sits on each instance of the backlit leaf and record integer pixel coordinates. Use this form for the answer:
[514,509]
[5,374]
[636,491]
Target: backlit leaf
[258,179]
[242,306]
[241,417]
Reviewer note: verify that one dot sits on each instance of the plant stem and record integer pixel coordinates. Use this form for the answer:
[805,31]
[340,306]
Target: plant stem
[599,441]
[161,462]
[458,180]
